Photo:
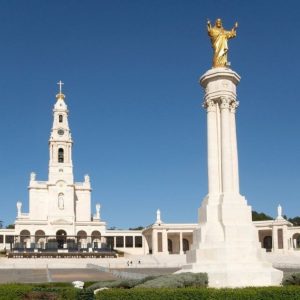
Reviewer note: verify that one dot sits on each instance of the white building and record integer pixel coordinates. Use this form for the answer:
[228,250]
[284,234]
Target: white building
[59,217]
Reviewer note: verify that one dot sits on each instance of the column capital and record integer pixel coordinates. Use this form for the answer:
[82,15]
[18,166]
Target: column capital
[225,102]
[234,105]
[209,105]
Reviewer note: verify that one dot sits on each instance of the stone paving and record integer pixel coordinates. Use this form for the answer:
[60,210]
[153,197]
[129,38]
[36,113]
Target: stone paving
[23,275]
[53,275]
[69,275]
[150,271]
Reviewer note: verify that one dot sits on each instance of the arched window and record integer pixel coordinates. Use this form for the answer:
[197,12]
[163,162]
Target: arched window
[60,118]
[60,155]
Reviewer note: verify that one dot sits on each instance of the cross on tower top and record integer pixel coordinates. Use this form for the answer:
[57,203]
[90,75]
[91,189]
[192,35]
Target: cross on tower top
[60,83]
[60,94]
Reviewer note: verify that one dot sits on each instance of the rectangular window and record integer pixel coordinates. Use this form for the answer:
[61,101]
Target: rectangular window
[1,239]
[138,242]
[119,241]
[9,239]
[129,241]
[110,242]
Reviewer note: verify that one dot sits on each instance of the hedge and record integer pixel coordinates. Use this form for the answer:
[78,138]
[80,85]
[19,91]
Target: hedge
[255,293]
[14,291]
[38,291]
[176,281]
[165,281]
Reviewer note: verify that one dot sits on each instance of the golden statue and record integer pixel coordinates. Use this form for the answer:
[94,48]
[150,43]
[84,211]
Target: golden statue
[219,37]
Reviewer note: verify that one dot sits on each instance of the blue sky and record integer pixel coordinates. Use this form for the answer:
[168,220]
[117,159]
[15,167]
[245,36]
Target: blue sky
[131,71]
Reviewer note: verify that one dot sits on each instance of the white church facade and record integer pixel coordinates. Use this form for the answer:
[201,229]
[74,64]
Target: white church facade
[60,218]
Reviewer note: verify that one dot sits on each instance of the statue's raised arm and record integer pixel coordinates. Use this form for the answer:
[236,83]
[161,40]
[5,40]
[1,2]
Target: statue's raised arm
[219,40]
[208,25]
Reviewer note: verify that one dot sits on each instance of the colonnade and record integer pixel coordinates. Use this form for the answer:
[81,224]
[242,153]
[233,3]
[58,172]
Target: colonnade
[170,242]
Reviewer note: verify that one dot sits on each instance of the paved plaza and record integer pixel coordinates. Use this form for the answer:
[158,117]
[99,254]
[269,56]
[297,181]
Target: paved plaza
[52,275]
[69,275]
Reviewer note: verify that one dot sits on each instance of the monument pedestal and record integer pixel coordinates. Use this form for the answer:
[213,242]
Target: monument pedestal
[228,250]
[225,244]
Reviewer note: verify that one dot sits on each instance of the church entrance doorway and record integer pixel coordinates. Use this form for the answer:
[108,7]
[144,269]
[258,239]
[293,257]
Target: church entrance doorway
[61,238]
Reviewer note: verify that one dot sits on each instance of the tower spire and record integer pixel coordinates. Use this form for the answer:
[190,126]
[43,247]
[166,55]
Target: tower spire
[60,143]
[60,95]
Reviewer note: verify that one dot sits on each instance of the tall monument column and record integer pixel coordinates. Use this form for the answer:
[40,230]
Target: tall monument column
[214,178]
[225,244]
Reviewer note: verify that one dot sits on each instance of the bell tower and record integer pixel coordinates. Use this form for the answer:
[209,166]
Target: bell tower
[60,143]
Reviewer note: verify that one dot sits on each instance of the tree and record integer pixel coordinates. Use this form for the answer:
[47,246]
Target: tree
[295,221]
[10,226]
[1,224]
[112,228]
[260,216]
[137,228]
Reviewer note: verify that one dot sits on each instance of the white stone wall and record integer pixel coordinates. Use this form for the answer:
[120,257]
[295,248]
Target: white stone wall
[83,205]
[38,203]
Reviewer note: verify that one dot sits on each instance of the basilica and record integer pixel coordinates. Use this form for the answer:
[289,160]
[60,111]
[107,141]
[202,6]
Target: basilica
[61,220]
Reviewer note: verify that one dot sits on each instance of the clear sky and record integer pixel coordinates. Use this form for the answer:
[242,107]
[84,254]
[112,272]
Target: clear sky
[131,71]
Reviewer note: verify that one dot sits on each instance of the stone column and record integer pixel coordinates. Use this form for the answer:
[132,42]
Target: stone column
[234,148]
[165,242]
[274,238]
[226,146]
[145,245]
[154,242]
[285,238]
[212,148]
[180,243]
